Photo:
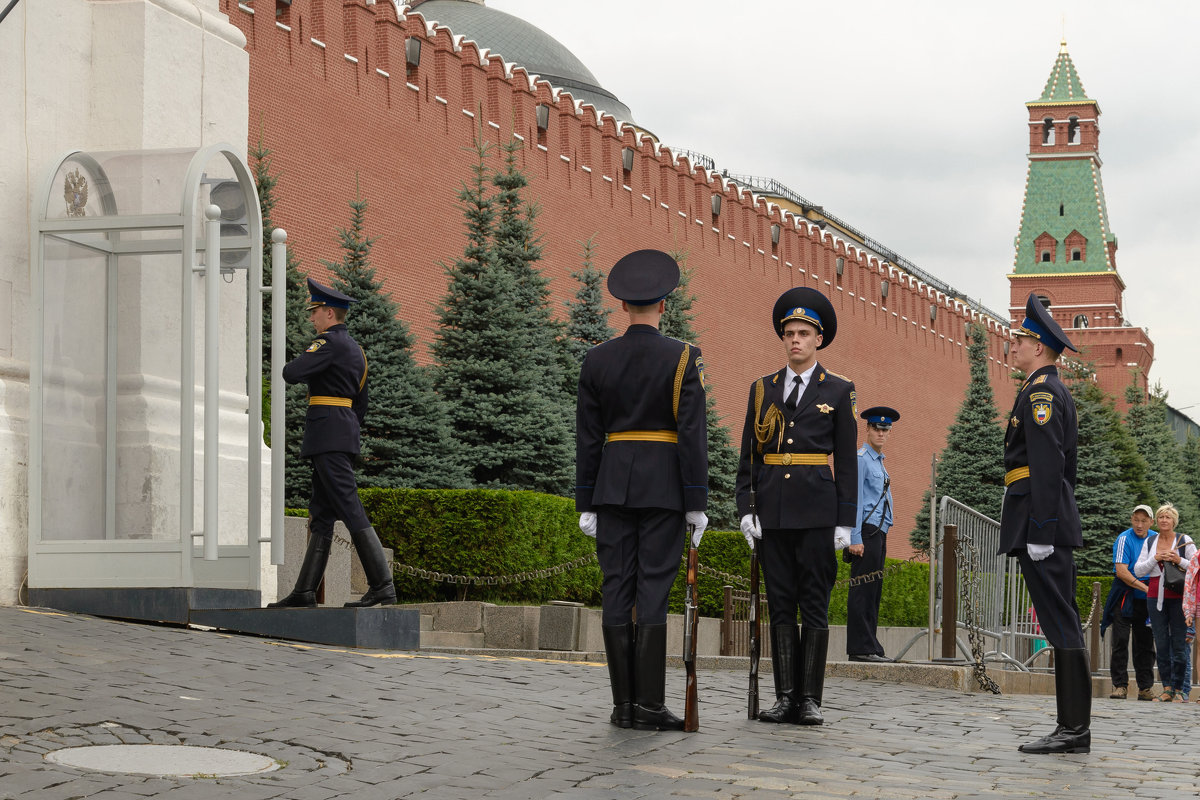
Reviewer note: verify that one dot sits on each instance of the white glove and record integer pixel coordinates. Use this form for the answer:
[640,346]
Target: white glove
[751,530]
[587,523]
[841,537]
[1037,552]
[700,520]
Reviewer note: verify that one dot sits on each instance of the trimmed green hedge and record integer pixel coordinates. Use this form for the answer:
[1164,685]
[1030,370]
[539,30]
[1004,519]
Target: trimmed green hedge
[482,532]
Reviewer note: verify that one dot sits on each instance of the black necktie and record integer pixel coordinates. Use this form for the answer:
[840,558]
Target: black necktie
[794,396]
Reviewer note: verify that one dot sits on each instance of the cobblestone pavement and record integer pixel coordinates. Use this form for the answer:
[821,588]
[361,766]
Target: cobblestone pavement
[368,725]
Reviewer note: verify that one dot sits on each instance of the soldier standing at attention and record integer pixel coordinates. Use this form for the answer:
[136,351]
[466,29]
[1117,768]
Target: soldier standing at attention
[641,471]
[335,369]
[868,541]
[798,417]
[1040,521]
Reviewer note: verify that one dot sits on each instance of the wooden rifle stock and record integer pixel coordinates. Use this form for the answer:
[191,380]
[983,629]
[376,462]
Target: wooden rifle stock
[691,706]
[755,633]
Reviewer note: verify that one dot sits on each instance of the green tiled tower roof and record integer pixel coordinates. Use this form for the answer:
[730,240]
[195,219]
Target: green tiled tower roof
[1063,87]
[1063,196]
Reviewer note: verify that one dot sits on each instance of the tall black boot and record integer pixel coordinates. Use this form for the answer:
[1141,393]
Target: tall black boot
[304,595]
[650,679]
[1073,691]
[785,641]
[814,643]
[379,578]
[618,648]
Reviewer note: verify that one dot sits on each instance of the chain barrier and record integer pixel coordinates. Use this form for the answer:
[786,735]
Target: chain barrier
[967,555]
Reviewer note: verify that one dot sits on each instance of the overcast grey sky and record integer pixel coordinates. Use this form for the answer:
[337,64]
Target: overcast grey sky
[908,121]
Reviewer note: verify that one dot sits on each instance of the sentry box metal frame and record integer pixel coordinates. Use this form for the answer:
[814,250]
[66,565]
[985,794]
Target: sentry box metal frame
[142,264]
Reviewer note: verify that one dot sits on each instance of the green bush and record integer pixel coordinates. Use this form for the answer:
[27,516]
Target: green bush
[477,532]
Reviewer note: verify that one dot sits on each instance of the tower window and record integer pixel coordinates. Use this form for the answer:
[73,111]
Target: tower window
[1073,130]
[1076,255]
[1060,209]
[1081,321]
[1047,131]
[1045,256]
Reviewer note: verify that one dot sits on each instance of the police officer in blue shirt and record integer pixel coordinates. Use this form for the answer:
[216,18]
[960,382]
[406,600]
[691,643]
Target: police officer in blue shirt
[335,368]
[868,540]
[641,473]
[1039,524]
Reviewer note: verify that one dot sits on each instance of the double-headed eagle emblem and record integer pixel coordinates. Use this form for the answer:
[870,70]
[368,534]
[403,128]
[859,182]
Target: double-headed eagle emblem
[75,192]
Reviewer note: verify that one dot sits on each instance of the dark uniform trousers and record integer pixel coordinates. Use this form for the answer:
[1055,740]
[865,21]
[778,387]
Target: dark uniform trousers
[862,601]
[1051,585]
[639,550]
[334,495]
[800,566]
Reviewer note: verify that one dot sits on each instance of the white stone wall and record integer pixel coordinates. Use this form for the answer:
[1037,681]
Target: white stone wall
[100,75]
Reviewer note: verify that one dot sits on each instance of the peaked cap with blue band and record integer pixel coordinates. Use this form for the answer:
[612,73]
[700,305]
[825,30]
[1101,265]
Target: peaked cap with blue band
[807,305]
[321,295]
[643,277]
[1039,325]
[880,416]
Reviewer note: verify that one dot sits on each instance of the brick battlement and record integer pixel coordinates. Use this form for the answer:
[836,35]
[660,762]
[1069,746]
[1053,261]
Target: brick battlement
[335,101]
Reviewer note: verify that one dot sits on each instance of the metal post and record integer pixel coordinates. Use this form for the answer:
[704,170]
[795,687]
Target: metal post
[278,388]
[212,377]
[1094,616]
[949,592]
[932,552]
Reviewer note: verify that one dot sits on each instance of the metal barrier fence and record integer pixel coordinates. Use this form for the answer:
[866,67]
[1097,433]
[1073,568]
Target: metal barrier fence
[735,624]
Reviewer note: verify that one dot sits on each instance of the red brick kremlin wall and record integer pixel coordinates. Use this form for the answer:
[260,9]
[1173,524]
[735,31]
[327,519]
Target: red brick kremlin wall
[330,95]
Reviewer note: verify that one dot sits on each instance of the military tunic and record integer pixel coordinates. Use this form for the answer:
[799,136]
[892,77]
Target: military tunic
[1040,456]
[335,369]
[799,504]
[641,462]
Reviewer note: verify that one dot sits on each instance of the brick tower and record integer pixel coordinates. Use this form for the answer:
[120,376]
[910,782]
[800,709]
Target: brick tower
[1065,250]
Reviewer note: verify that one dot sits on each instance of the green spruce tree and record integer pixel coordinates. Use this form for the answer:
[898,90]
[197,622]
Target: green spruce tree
[1103,499]
[971,467]
[299,334]
[405,435]
[1191,468]
[505,401]
[676,322]
[587,316]
[1147,422]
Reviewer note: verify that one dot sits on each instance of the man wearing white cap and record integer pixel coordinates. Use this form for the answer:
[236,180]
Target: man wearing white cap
[1127,602]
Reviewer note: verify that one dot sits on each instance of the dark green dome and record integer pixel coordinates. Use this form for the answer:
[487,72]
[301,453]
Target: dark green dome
[524,44]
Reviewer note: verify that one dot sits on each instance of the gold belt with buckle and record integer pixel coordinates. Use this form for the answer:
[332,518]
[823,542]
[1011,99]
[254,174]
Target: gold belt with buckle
[1014,475]
[325,400]
[642,436]
[787,459]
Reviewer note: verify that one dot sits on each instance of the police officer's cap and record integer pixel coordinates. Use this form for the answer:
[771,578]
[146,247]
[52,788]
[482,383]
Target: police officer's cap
[321,295]
[807,305]
[1039,325]
[643,277]
[881,417]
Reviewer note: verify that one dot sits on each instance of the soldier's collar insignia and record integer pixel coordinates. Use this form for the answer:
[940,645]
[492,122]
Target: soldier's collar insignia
[821,378]
[1042,413]
[825,408]
[775,380]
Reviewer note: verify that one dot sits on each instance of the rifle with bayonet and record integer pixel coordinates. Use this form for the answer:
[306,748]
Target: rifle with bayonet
[755,629]
[691,619]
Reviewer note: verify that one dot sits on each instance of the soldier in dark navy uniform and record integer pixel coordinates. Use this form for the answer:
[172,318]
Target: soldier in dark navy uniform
[641,473]
[796,418]
[867,552]
[1040,521]
[335,369]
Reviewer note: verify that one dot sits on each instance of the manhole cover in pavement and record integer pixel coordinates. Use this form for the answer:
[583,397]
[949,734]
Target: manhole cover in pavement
[175,760]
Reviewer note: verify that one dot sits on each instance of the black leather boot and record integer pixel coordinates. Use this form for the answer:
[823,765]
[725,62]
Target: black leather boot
[618,647]
[379,577]
[650,679]
[785,641]
[814,642]
[304,595]
[1073,691]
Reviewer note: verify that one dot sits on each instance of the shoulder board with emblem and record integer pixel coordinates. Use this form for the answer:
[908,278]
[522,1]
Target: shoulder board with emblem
[843,377]
[862,451]
[1040,379]
[1036,396]
[316,345]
